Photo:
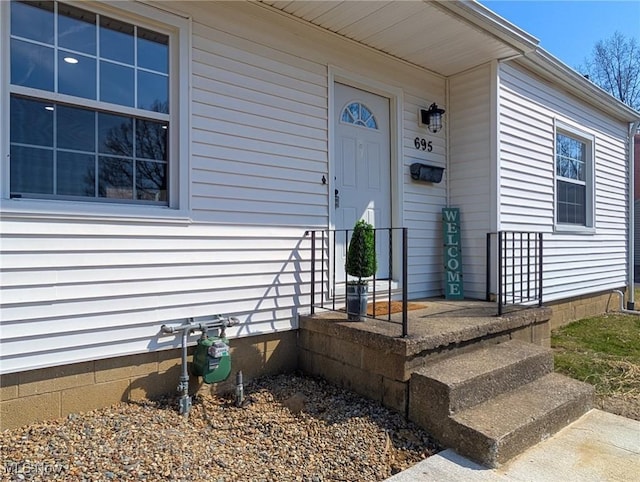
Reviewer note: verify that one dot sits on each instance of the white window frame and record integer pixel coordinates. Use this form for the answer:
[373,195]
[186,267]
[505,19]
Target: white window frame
[588,139]
[178,28]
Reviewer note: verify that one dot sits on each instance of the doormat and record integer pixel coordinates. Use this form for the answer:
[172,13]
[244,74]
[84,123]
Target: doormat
[384,308]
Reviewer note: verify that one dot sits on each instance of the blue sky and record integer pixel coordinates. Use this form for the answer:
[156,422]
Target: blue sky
[569,29]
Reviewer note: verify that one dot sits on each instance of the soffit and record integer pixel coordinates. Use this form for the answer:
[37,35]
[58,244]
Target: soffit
[445,38]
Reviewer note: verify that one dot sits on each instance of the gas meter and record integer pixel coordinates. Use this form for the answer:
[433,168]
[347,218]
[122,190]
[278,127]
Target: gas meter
[212,360]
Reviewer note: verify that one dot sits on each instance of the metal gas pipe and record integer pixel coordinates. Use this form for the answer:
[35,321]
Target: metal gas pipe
[622,309]
[203,324]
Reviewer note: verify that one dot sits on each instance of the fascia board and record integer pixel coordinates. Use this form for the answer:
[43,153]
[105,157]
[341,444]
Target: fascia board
[538,59]
[548,66]
[490,22]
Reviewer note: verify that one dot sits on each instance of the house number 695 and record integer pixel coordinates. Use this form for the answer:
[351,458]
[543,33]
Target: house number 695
[422,144]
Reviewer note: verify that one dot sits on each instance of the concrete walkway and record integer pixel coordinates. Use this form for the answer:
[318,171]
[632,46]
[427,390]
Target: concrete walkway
[597,447]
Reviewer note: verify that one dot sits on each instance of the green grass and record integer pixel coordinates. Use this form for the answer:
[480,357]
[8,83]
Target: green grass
[603,351]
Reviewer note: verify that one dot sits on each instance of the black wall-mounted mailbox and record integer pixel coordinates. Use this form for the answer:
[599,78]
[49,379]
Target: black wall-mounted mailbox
[422,172]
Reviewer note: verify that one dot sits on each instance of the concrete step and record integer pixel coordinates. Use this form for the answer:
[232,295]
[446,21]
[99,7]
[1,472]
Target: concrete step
[465,380]
[498,429]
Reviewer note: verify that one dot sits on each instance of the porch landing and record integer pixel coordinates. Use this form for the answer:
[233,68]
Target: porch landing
[480,383]
[440,326]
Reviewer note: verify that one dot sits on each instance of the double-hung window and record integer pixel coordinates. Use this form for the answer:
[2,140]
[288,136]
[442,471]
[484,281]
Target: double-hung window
[89,106]
[574,179]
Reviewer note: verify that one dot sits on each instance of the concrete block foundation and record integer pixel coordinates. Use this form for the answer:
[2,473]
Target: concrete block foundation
[49,393]
[571,309]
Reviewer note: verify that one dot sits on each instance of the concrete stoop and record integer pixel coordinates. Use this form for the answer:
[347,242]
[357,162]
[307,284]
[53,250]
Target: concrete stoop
[494,402]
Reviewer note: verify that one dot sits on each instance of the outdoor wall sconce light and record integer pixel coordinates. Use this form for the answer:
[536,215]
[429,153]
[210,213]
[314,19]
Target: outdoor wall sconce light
[432,118]
[423,172]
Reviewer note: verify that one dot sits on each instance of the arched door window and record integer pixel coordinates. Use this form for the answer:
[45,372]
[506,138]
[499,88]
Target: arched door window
[358,114]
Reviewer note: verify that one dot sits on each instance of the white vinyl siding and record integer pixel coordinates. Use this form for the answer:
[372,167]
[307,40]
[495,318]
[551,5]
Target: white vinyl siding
[423,203]
[85,291]
[470,171]
[256,162]
[87,286]
[574,263]
[260,138]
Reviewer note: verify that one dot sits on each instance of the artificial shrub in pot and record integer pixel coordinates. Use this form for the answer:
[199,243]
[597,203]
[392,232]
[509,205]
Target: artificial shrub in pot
[361,264]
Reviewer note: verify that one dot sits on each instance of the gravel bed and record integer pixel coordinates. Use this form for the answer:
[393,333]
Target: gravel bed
[290,428]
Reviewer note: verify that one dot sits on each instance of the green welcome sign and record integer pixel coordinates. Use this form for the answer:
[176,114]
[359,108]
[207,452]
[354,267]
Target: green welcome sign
[454,289]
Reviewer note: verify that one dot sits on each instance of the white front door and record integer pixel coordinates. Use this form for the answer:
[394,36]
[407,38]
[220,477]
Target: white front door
[362,180]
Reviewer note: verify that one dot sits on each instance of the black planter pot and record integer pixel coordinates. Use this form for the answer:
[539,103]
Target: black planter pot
[357,295]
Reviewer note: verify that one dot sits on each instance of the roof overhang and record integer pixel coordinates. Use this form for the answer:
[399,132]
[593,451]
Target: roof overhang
[443,37]
[446,37]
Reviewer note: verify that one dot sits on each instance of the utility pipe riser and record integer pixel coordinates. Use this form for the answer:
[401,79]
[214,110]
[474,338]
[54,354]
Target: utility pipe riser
[622,308]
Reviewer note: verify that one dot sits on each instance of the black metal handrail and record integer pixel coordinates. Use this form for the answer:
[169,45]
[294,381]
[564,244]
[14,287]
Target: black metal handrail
[327,294]
[519,276]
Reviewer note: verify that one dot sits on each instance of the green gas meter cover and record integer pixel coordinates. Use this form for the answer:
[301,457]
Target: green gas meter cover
[212,360]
